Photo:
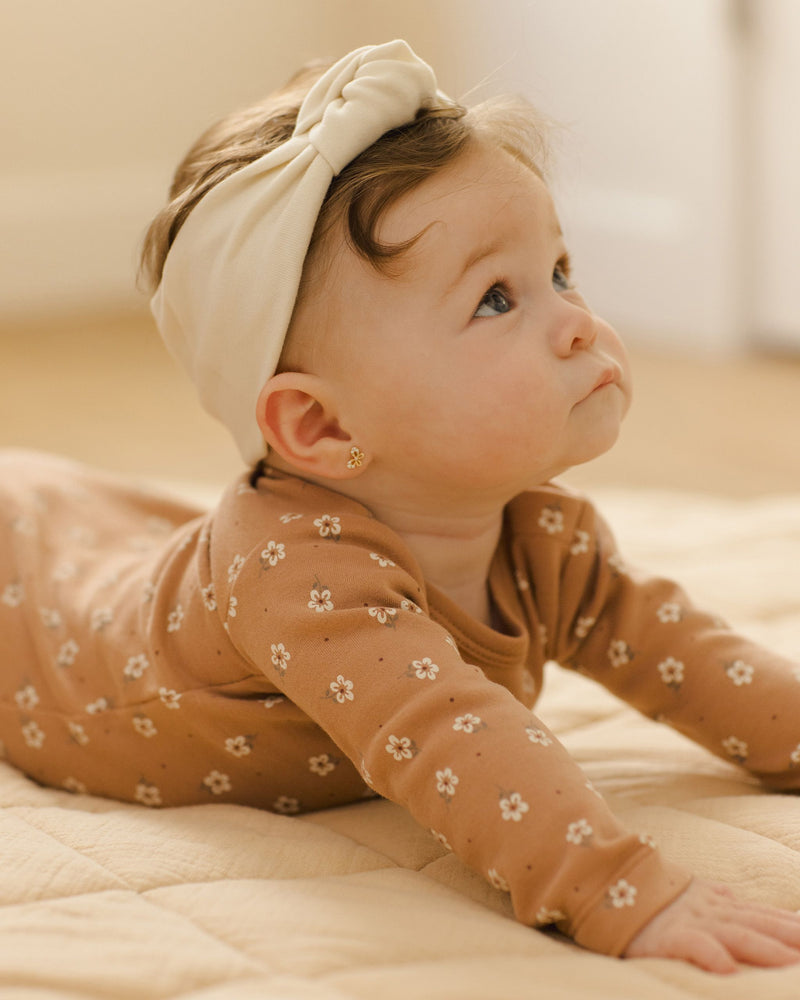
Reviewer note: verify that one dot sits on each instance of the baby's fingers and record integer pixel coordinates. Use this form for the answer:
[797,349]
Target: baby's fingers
[775,946]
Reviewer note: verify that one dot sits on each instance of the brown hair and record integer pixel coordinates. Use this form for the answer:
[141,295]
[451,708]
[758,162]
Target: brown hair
[400,160]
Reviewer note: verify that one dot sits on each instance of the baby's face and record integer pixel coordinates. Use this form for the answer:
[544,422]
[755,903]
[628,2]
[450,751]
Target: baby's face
[479,368]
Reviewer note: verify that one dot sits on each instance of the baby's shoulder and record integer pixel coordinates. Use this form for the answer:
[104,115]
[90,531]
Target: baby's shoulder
[268,515]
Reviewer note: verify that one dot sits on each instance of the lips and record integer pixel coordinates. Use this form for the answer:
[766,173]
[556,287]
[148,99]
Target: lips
[607,377]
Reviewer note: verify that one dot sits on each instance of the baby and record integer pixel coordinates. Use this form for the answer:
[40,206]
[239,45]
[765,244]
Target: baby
[369,286]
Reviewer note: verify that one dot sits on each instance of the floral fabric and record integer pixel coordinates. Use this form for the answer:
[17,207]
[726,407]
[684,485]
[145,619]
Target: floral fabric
[283,651]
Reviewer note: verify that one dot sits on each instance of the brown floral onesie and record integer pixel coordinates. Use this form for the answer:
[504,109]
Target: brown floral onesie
[284,651]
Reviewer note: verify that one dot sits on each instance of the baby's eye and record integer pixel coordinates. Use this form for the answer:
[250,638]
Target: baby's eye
[561,273]
[494,302]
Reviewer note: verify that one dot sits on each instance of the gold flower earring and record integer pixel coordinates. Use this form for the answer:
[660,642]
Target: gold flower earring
[356,459]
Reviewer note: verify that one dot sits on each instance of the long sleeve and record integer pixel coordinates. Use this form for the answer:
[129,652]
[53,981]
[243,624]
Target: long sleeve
[644,640]
[332,608]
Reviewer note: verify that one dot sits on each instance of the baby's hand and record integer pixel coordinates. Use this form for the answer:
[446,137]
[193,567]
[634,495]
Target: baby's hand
[709,926]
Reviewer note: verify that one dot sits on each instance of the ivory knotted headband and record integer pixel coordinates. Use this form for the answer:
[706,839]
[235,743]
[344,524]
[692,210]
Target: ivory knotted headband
[232,273]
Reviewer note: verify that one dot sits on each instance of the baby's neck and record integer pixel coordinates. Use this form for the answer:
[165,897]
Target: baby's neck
[454,556]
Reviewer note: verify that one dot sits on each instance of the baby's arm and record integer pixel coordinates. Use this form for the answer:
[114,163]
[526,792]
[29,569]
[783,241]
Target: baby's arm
[644,639]
[708,926]
[340,627]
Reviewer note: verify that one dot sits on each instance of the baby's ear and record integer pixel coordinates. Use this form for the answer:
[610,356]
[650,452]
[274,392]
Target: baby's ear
[299,419]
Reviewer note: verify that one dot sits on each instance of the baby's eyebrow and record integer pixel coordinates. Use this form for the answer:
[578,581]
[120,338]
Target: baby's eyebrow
[480,253]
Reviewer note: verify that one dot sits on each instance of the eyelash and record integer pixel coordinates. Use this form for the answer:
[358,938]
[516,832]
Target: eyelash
[563,265]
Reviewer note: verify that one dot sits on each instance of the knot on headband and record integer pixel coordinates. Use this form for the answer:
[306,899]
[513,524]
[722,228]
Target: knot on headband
[231,276]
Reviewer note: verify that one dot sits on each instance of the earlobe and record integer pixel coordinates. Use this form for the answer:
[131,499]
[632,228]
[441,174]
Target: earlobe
[299,420]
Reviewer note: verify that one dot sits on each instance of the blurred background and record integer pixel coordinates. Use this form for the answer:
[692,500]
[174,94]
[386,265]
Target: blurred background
[676,171]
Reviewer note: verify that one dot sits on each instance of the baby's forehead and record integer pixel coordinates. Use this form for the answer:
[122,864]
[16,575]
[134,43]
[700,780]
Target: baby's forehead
[487,193]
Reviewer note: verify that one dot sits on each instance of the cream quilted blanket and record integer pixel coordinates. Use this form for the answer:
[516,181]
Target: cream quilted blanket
[107,900]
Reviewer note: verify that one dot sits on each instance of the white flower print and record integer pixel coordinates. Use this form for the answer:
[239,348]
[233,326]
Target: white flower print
[147,794]
[27,698]
[320,600]
[671,671]
[233,606]
[239,746]
[522,581]
[794,757]
[73,785]
[551,519]
[169,698]
[583,626]
[51,618]
[273,700]
[669,612]
[24,525]
[529,688]
[513,807]
[401,747]
[616,563]
[217,782]
[545,916]
[33,735]
[647,840]
[272,554]
[144,726]
[235,568]
[101,617]
[148,592]
[13,595]
[425,669]
[538,736]
[498,881]
[621,894]
[579,832]
[288,518]
[322,765]
[735,748]
[65,571]
[446,783]
[96,707]
[175,619]
[341,690]
[382,561]
[280,657]
[740,672]
[78,733]
[410,606]
[329,526]
[468,723]
[67,653]
[619,653]
[136,666]
[440,838]
[580,543]
[209,596]
[82,536]
[383,616]
[286,805]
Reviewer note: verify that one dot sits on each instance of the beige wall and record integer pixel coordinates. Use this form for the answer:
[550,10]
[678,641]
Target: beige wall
[672,206]
[100,99]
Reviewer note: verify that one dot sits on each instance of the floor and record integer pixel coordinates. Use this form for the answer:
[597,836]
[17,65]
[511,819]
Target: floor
[102,389]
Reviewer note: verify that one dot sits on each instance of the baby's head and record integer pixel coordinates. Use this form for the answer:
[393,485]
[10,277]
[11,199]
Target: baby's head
[354,294]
